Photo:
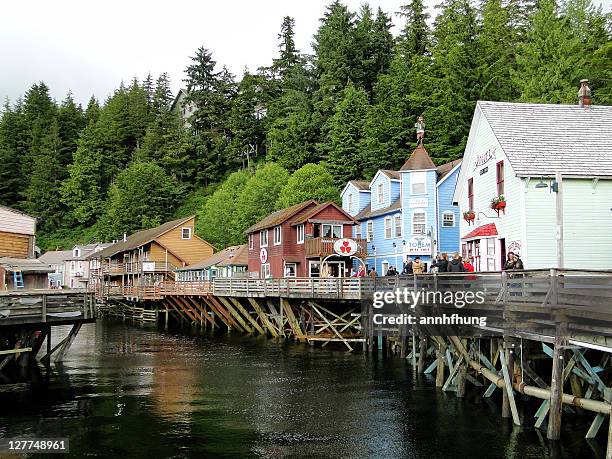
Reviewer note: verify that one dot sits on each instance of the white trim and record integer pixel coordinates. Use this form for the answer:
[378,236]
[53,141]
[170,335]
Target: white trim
[389,219]
[251,241]
[448,212]
[414,182]
[401,225]
[451,172]
[368,238]
[303,228]
[280,235]
[350,202]
[267,235]
[380,198]
[415,212]
[188,228]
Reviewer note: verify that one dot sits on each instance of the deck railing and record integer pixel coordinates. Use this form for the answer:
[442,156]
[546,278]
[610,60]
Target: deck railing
[324,246]
[138,267]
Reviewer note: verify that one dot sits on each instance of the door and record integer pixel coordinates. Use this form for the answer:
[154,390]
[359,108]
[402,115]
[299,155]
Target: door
[502,253]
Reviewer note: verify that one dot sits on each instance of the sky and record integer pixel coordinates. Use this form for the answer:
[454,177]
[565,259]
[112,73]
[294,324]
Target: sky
[90,47]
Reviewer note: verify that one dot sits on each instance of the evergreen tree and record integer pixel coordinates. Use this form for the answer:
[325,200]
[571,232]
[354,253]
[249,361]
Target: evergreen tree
[311,181]
[289,55]
[92,112]
[549,63]
[345,133]
[71,121]
[14,138]
[258,197]
[162,98]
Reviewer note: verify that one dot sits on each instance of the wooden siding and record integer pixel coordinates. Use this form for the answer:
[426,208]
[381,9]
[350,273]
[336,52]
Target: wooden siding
[188,250]
[158,253]
[16,222]
[448,236]
[16,245]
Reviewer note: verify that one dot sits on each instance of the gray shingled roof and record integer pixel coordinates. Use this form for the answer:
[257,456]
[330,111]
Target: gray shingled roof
[55,257]
[542,139]
[369,213]
[27,265]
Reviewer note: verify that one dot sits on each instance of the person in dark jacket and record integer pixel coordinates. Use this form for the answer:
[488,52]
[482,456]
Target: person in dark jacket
[441,263]
[513,262]
[455,265]
[407,268]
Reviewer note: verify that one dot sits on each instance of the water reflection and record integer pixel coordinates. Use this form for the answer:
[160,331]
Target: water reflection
[130,392]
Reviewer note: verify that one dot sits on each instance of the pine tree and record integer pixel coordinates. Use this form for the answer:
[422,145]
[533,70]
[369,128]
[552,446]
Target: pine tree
[289,55]
[162,95]
[345,133]
[92,112]
[14,138]
[71,121]
[549,63]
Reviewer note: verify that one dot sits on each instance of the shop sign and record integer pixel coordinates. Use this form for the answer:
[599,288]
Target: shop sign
[483,159]
[148,266]
[263,255]
[345,247]
[418,245]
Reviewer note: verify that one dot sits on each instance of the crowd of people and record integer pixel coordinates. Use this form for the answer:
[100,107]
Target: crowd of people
[441,264]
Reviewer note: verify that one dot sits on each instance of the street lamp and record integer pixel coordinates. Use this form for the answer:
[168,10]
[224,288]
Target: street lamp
[556,187]
[395,250]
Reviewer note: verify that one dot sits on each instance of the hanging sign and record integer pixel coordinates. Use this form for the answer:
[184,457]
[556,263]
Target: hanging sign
[148,266]
[419,245]
[263,255]
[345,247]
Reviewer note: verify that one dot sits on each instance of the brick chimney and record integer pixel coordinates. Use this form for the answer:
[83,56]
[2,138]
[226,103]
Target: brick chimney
[584,94]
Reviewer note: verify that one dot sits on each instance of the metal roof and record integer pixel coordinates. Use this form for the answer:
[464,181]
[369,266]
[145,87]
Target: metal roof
[236,255]
[419,160]
[278,217]
[542,139]
[55,257]
[25,265]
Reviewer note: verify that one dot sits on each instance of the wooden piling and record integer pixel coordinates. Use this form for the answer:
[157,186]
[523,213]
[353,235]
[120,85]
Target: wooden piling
[556,388]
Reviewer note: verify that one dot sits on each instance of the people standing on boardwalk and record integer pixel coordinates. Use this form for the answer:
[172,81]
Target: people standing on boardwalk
[372,273]
[407,268]
[441,263]
[418,267]
[513,262]
[455,265]
[392,271]
[468,266]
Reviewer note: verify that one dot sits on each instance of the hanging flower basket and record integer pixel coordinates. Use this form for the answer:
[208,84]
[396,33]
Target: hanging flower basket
[499,203]
[469,216]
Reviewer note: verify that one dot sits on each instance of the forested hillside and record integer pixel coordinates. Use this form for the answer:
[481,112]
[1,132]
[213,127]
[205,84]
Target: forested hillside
[314,121]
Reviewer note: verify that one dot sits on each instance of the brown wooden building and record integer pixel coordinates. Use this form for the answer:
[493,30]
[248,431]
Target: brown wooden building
[17,234]
[293,242]
[23,274]
[149,257]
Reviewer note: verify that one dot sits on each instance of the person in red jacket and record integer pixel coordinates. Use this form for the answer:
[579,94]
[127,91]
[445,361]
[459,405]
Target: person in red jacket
[468,266]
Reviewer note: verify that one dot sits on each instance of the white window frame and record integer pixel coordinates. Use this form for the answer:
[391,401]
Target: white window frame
[369,231]
[300,233]
[188,233]
[261,238]
[418,178]
[278,235]
[380,192]
[350,202]
[251,241]
[265,270]
[384,266]
[491,242]
[388,227]
[424,223]
[448,213]
[294,269]
[397,225]
[76,253]
[332,227]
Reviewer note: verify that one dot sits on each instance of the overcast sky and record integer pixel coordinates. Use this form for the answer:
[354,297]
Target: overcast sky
[90,47]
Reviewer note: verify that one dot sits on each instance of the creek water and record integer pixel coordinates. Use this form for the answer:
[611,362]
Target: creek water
[125,391]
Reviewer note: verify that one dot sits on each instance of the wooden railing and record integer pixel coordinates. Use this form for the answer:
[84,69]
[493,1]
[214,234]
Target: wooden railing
[136,267]
[324,246]
[34,306]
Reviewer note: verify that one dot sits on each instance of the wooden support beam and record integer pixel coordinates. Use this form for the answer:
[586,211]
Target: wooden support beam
[336,332]
[506,366]
[236,315]
[422,351]
[278,316]
[70,339]
[453,373]
[440,368]
[263,317]
[293,323]
[230,321]
[16,351]
[182,310]
[196,318]
[246,314]
[202,309]
[556,388]
[213,306]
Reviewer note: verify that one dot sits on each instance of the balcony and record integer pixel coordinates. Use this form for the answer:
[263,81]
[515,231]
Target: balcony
[324,246]
[135,268]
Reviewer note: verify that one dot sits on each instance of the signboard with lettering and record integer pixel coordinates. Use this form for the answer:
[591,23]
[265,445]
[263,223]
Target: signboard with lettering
[148,266]
[418,202]
[483,159]
[346,247]
[263,255]
[418,245]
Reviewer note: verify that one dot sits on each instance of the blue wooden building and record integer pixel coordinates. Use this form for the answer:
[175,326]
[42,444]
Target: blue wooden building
[406,213]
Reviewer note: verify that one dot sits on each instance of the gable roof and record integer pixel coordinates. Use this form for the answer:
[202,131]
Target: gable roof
[419,160]
[317,209]
[177,97]
[361,185]
[140,238]
[487,230]
[55,257]
[236,255]
[542,139]
[9,209]
[393,175]
[446,168]
[368,213]
[278,217]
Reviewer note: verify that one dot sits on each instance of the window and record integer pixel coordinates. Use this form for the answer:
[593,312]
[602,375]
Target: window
[418,222]
[350,202]
[263,238]
[72,266]
[277,235]
[76,253]
[331,230]
[397,224]
[387,227]
[448,219]
[381,193]
[471,194]
[300,234]
[251,242]
[185,233]
[490,246]
[500,178]
[385,267]
[418,183]
[369,231]
[265,270]
[290,269]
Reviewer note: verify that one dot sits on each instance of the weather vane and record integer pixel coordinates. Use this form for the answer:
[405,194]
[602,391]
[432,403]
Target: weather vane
[420,130]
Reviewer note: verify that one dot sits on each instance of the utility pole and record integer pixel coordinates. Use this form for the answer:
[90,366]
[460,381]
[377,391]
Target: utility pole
[559,205]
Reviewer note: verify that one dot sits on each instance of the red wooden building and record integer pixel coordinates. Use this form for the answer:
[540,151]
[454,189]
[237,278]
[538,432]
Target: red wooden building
[293,242]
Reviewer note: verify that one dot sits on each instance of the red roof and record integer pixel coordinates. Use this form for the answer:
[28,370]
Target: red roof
[487,230]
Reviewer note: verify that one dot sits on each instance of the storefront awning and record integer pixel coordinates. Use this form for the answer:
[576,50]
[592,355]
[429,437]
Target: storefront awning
[488,230]
[290,259]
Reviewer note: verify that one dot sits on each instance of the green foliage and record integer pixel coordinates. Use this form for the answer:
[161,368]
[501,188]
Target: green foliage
[311,181]
[214,222]
[142,196]
[258,197]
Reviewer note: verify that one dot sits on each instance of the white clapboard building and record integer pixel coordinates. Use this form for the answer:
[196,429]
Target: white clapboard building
[508,193]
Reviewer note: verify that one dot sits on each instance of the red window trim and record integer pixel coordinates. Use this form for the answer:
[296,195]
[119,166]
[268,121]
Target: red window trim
[471,193]
[500,177]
